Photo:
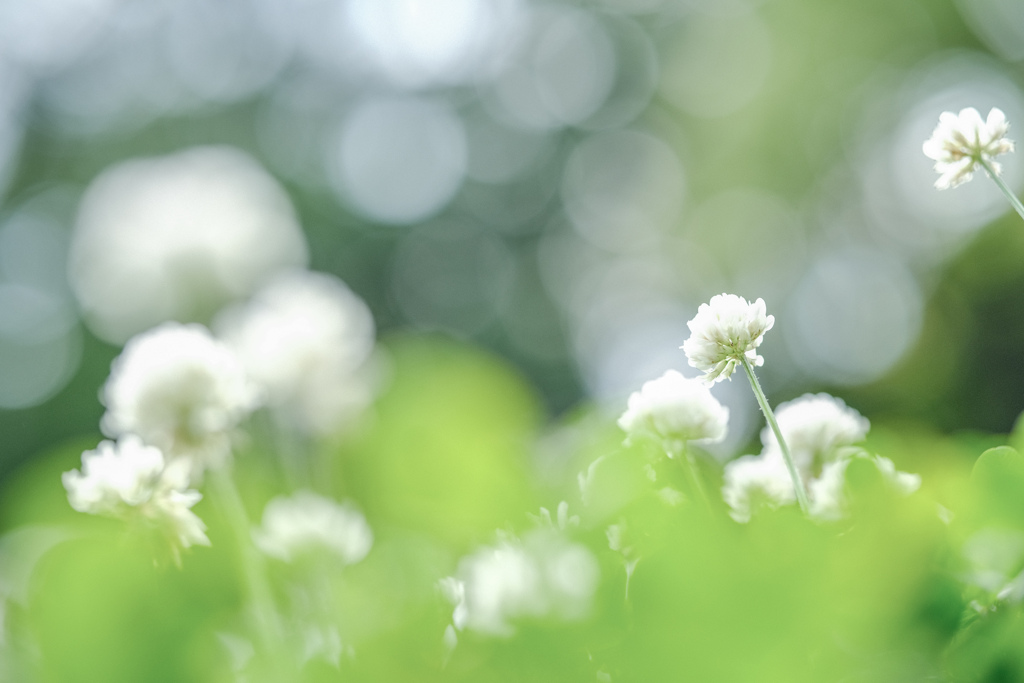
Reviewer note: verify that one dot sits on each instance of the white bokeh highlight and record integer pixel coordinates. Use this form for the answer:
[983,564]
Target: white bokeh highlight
[399,160]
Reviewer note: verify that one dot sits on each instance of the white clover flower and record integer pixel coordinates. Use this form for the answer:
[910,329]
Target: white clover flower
[724,332]
[129,480]
[305,338]
[827,493]
[180,390]
[754,482]
[961,142]
[177,237]
[816,427]
[307,524]
[674,410]
[544,576]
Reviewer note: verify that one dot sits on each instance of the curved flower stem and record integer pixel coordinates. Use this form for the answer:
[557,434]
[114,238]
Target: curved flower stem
[798,484]
[1001,184]
[253,570]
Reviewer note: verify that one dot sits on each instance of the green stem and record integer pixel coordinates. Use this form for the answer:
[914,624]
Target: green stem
[253,570]
[692,475]
[1014,201]
[798,485]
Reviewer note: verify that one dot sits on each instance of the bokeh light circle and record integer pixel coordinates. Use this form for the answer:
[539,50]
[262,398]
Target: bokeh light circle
[853,315]
[622,189]
[399,160]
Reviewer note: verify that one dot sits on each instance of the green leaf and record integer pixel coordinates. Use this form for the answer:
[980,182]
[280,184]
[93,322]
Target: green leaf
[998,480]
[449,447]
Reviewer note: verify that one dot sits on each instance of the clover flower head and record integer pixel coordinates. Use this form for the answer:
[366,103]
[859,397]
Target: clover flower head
[178,389]
[754,482]
[130,480]
[542,576]
[828,492]
[961,142]
[724,332]
[674,410]
[175,237]
[305,338]
[307,524]
[816,427]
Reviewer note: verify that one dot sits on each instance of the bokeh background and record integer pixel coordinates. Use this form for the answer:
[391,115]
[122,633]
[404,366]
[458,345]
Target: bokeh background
[560,183]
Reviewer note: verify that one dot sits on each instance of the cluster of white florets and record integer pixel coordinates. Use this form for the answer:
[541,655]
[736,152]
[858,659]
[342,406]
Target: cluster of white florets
[675,410]
[962,142]
[543,576]
[130,480]
[306,339]
[725,333]
[306,524]
[822,432]
[816,428]
[184,393]
[181,390]
[178,236]
[210,219]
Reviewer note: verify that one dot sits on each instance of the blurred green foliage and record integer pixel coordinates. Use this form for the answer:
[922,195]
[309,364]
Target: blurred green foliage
[460,444]
[883,595]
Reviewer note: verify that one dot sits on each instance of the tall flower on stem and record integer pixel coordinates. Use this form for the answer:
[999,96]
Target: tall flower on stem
[675,410]
[963,142]
[726,333]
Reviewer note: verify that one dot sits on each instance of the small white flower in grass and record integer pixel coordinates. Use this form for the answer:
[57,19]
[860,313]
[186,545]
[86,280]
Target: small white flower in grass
[129,480]
[305,338]
[308,524]
[961,142]
[543,576]
[724,332]
[828,497]
[816,427]
[179,389]
[754,482]
[674,410]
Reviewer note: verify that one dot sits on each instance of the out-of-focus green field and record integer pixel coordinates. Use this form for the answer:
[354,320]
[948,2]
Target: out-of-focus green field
[533,198]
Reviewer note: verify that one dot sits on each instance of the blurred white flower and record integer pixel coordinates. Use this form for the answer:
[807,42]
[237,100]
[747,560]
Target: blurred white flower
[177,237]
[962,141]
[674,410]
[828,498]
[306,339]
[130,480]
[543,576]
[754,482]
[816,427]
[307,524]
[723,333]
[181,390]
